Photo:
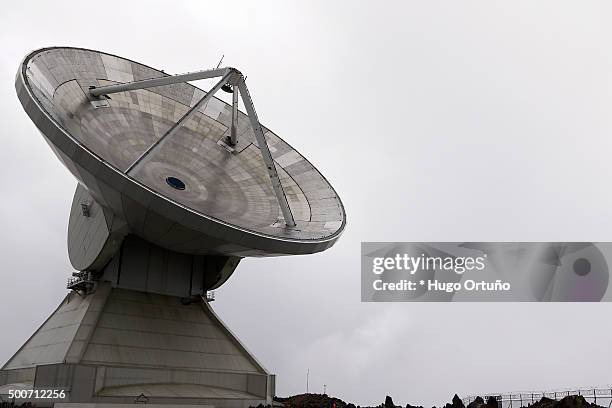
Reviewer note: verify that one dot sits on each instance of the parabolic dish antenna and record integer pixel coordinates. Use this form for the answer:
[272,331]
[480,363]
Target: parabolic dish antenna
[161,159]
[175,187]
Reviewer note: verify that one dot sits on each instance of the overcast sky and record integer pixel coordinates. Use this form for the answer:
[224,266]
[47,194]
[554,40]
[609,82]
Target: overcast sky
[434,121]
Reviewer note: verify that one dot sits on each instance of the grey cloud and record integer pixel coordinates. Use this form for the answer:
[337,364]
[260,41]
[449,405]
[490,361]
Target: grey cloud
[435,121]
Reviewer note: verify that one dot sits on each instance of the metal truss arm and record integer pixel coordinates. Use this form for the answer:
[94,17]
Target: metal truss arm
[235,78]
[265,153]
[137,165]
[233,139]
[167,80]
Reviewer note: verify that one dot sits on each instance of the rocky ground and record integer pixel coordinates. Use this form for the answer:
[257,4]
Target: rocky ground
[325,401]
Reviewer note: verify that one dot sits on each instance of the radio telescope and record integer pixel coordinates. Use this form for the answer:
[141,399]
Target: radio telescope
[175,187]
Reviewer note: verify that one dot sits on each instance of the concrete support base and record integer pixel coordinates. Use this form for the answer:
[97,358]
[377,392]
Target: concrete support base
[122,347]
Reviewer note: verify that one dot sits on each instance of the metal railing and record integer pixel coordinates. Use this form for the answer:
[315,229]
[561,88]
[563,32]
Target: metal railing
[81,282]
[599,395]
[76,279]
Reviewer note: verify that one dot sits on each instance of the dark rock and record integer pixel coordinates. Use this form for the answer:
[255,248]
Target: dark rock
[573,401]
[492,402]
[545,403]
[389,402]
[311,400]
[477,403]
[457,403]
